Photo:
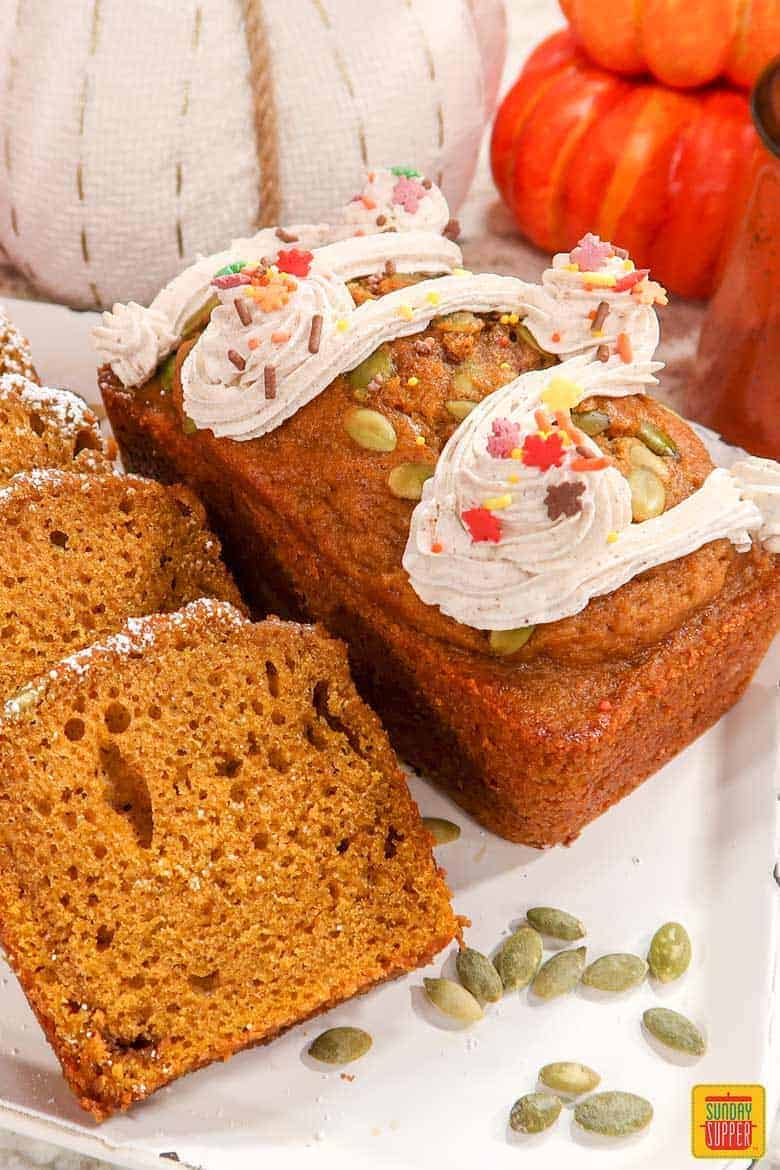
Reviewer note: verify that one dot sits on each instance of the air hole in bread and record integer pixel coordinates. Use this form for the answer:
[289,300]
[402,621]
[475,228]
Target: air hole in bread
[37,425]
[278,760]
[117,718]
[391,841]
[104,938]
[74,730]
[343,845]
[273,679]
[320,701]
[86,440]
[315,737]
[126,503]
[154,712]
[58,538]
[260,840]
[205,982]
[229,766]
[237,793]
[128,794]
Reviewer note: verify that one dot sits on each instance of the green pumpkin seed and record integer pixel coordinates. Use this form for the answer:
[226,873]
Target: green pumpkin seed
[518,960]
[555,923]
[674,1030]
[525,334]
[510,641]
[460,407]
[200,318]
[641,456]
[167,370]
[24,699]
[406,480]
[453,1000]
[459,322]
[442,831]
[188,425]
[462,382]
[534,1113]
[670,952]
[569,1076]
[559,974]
[614,1114]
[648,495]
[478,975]
[370,429]
[379,365]
[657,440]
[591,422]
[340,1045]
[615,972]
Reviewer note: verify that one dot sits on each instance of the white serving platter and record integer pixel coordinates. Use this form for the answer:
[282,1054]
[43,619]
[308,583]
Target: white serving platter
[697,842]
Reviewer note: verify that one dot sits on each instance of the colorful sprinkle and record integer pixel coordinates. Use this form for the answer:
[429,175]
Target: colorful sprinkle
[482,525]
[419,440]
[451,229]
[269,381]
[243,310]
[228,269]
[563,499]
[585,463]
[285,236]
[412,381]
[461,272]
[624,348]
[612,537]
[295,262]
[406,172]
[253,343]
[504,438]
[592,280]
[342,324]
[561,393]
[556,337]
[599,317]
[233,280]
[235,357]
[602,353]
[496,503]
[280,336]
[433,298]
[437,546]
[315,335]
[630,279]
[390,269]
[407,192]
[543,452]
[591,253]
[405,311]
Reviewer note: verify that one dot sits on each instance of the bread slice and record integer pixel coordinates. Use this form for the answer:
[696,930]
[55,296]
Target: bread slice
[82,553]
[15,355]
[42,427]
[205,838]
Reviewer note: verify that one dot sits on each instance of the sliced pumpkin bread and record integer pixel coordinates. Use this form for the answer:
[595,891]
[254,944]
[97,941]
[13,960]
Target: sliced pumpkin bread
[205,838]
[15,355]
[42,427]
[83,553]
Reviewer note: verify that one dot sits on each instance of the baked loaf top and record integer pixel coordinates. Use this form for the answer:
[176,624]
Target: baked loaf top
[43,427]
[82,553]
[15,355]
[206,838]
[550,485]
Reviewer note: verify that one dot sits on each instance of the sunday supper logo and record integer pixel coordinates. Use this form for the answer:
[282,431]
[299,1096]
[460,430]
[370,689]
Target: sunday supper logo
[728,1119]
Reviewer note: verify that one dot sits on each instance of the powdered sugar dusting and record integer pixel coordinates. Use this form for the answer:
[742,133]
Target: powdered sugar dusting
[15,355]
[138,636]
[69,413]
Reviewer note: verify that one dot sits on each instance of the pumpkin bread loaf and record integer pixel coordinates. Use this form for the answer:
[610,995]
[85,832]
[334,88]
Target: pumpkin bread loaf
[42,427]
[546,588]
[15,355]
[83,553]
[205,838]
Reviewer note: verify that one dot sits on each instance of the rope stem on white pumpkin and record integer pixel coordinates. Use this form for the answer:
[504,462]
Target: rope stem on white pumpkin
[266,122]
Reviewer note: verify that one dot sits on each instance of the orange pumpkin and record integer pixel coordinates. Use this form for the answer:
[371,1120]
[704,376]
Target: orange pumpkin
[576,149]
[681,42]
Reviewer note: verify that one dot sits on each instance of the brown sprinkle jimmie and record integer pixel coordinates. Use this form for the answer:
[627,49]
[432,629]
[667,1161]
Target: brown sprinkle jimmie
[602,353]
[269,381]
[452,229]
[427,184]
[243,310]
[390,268]
[381,220]
[235,357]
[602,312]
[285,236]
[316,333]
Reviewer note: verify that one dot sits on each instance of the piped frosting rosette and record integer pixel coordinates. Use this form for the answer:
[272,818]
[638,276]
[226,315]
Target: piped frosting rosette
[524,520]
[598,302]
[396,199]
[760,481]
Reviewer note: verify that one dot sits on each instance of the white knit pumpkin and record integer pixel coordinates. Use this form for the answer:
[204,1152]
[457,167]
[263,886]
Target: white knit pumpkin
[139,134]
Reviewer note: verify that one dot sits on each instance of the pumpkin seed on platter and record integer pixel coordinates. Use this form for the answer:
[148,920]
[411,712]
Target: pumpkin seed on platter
[534,1113]
[559,974]
[443,831]
[614,1114]
[555,923]
[674,1030]
[570,1077]
[670,952]
[617,972]
[453,1000]
[370,429]
[518,960]
[340,1045]
[478,975]
[510,641]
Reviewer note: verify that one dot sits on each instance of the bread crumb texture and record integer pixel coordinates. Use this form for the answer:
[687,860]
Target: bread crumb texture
[83,553]
[205,839]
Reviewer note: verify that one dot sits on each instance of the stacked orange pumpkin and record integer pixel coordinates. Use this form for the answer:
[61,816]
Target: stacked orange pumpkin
[655,169]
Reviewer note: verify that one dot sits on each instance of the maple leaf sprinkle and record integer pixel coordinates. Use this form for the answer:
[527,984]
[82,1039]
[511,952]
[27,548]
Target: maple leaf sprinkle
[591,253]
[563,499]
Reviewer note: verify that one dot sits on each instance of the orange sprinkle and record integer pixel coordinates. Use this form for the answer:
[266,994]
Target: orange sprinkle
[563,420]
[623,347]
[280,337]
[253,342]
[368,202]
[542,421]
[556,336]
[592,315]
[436,547]
[589,464]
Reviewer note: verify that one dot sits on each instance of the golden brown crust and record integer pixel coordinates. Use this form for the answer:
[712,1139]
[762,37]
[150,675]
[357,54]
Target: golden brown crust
[165,898]
[521,743]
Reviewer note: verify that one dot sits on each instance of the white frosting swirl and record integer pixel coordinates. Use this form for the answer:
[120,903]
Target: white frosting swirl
[412,251]
[760,482]
[397,201]
[133,339]
[542,569]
